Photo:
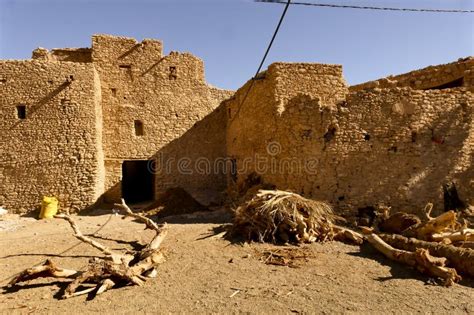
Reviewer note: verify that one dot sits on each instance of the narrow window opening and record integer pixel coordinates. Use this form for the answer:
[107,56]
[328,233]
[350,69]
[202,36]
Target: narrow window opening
[173,75]
[414,136]
[138,128]
[329,135]
[3,80]
[21,111]
[366,137]
[126,70]
[65,103]
[114,92]
[450,85]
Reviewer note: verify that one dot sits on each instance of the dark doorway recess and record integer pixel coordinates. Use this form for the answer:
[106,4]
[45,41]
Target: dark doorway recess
[137,181]
[450,85]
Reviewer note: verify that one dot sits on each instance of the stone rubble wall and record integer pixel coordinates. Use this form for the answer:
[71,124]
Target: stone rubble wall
[54,150]
[460,73]
[391,146]
[167,94]
[63,54]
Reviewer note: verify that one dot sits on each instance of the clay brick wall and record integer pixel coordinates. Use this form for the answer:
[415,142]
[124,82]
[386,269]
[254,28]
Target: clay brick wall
[55,149]
[392,146]
[166,94]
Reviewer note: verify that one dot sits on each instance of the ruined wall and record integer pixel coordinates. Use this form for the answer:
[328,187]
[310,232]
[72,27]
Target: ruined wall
[450,75]
[50,145]
[399,146]
[395,146]
[63,54]
[281,125]
[148,101]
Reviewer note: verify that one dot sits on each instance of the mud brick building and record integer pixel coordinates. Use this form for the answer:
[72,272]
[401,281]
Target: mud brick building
[83,123]
[120,119]
[395,141]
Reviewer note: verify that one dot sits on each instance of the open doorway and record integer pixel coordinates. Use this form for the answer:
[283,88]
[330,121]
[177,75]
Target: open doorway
[137,181]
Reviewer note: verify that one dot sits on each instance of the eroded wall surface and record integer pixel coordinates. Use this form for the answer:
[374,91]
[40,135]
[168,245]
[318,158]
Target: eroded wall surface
[150,100]
[88,110]
[49,134]
[395,146]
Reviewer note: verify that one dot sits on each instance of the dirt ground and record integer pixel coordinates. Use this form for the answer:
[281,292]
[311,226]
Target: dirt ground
[205,274]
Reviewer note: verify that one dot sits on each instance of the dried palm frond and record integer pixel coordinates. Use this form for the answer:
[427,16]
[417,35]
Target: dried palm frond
[281,216]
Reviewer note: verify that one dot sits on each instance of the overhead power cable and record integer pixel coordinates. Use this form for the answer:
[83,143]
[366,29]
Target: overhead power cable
[343,6]
[264,56]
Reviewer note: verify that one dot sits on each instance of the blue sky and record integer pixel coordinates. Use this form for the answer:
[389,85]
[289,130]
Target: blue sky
[231,35]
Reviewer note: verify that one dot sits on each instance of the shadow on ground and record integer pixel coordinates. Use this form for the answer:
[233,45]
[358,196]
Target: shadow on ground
[400,271]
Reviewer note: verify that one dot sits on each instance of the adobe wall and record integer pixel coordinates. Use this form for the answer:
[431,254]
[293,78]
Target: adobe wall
[282,123]
[392,146]
[55,149]
[166,94]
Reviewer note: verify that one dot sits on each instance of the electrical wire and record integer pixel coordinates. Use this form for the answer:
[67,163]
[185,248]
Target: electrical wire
[342,6]
[264,56]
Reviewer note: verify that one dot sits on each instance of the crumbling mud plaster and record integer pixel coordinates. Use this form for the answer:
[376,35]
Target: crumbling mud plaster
[359,146]
[72,116]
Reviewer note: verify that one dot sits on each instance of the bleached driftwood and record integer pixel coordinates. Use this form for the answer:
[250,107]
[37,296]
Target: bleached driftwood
[107,271]
[462,259]
[419,258]
[47,269]
[462,235]
[425,230]
[344,234]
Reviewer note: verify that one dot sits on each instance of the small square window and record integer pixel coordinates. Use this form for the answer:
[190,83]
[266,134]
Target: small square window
[173,75]
[138,128]
[21,111]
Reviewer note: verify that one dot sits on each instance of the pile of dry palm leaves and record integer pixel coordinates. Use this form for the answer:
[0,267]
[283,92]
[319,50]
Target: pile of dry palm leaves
[278,216]
[436,246]
[105,272]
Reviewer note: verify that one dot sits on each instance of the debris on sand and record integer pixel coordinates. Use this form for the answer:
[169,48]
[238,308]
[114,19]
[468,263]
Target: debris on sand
[426,244]
[174,201]
[278,216]
[437,246]
[289,257]
[104,273]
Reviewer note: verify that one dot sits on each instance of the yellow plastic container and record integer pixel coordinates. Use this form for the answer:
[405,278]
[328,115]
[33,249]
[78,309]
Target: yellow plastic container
[49,207]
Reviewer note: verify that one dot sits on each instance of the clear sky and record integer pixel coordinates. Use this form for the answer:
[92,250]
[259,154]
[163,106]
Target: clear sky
[231,35]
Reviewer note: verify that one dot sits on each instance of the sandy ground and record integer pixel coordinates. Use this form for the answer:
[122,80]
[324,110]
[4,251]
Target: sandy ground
[203,274]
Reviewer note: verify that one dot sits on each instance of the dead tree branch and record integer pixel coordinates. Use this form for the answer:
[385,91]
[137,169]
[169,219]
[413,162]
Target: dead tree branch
[420,259]
[105,272]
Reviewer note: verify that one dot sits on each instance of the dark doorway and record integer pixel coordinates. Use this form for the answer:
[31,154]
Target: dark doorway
[137,181]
